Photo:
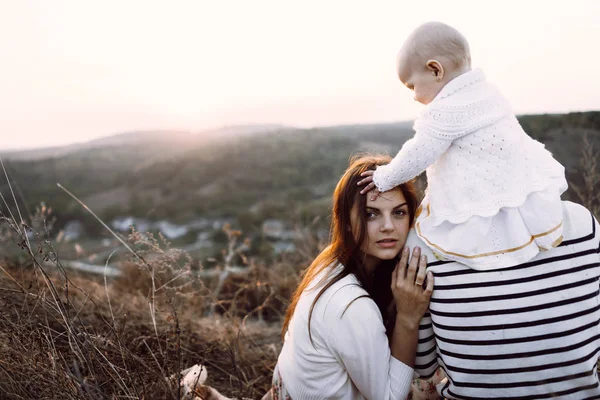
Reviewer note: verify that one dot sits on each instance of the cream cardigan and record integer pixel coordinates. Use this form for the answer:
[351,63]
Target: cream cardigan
[493,195]
[477,156]
[351,356]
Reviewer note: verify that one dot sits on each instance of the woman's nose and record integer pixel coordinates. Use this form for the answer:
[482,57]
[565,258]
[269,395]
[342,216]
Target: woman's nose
[387,224]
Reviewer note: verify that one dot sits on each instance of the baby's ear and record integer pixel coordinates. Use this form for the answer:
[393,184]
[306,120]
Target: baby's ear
[436,68]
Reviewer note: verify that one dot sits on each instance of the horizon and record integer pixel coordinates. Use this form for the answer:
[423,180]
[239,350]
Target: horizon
[77,72]
[225,127]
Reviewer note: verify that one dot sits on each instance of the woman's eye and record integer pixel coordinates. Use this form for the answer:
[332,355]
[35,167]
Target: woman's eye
[371,215]
[400,213]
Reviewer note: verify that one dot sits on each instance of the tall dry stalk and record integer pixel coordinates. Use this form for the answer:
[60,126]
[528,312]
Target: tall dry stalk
[80,363]
[68,340]
[589,191]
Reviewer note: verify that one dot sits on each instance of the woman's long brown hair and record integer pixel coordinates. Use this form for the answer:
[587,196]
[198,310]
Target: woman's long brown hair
[344,247]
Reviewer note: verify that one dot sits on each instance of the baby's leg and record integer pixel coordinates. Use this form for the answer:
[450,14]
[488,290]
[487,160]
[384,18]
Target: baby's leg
[542,213]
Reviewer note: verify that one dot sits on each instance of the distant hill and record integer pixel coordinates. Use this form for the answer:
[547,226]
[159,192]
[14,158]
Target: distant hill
[275,172]
[36,154]
[239,130]
[142,138]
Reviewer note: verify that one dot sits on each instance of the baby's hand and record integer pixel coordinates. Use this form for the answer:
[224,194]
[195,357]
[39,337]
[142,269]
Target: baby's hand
[371,185]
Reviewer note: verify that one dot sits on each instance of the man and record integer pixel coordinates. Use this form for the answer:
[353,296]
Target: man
[528,331]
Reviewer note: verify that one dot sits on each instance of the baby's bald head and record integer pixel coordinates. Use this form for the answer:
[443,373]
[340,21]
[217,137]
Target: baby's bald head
[436,41]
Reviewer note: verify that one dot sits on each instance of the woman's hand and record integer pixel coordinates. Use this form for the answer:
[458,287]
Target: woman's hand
[410,296]
[412,300]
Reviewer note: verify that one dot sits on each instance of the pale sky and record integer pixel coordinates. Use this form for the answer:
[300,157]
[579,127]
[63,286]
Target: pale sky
[71,71]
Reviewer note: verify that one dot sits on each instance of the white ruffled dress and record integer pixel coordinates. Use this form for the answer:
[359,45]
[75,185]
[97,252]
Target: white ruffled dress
[493,196]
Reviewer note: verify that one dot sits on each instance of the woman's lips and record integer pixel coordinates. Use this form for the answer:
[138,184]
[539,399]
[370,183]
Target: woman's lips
[387,243]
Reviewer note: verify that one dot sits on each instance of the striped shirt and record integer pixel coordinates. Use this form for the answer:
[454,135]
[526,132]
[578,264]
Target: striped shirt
[529,331]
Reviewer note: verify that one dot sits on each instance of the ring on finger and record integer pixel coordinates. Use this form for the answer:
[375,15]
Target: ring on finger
[417,283]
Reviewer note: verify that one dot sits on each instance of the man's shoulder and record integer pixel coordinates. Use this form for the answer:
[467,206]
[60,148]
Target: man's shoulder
[578,221]
[414,240]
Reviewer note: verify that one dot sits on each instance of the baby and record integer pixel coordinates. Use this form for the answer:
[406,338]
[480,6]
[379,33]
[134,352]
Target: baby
[493,196]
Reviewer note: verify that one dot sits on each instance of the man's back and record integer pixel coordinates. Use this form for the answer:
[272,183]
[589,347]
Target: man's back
[529,331]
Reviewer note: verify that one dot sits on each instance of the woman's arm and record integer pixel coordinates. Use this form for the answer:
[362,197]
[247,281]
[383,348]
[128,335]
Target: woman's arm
[411,295]
[359,341]
[426,360]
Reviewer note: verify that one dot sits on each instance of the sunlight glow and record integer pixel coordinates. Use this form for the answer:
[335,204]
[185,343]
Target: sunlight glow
[72,70]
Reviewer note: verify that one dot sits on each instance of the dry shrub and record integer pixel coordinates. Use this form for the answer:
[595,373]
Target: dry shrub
[589,191]
[262,292]
[71,336]
[68,351]
[40,360]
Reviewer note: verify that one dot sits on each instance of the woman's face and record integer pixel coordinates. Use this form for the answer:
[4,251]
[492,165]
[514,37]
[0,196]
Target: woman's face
[387,226]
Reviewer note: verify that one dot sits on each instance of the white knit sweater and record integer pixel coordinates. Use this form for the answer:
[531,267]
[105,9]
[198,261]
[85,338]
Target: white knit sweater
[350,358]
[477,156]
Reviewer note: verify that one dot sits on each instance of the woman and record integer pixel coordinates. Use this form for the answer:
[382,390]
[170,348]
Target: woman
[351,329]
[340,339]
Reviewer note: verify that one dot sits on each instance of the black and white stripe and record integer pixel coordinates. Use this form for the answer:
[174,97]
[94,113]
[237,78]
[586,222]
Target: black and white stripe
[529,331]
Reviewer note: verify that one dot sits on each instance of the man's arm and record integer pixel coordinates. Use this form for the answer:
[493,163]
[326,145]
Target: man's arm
[426,360]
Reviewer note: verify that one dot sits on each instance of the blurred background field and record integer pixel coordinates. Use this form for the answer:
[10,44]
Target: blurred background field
[271,182]
[208,241]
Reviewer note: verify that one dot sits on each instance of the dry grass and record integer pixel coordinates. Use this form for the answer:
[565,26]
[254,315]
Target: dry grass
[95,352]
[71,336]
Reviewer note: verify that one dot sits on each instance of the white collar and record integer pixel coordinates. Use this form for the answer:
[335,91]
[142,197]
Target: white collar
[460,82]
